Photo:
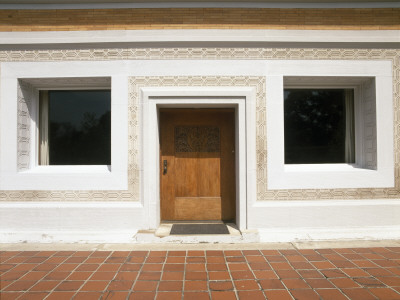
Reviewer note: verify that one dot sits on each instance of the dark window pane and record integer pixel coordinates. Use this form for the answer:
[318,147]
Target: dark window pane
[315,126]
[80,127]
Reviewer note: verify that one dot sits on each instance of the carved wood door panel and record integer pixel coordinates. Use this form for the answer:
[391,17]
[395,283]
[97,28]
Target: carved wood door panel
[197,163]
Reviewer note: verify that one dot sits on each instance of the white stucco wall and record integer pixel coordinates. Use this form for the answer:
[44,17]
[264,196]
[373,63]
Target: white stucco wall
[77,205]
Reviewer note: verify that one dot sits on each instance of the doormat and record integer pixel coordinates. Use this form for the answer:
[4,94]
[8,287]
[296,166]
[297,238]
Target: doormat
[199,229]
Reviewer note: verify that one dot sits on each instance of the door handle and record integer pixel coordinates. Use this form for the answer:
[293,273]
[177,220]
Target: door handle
[165,167]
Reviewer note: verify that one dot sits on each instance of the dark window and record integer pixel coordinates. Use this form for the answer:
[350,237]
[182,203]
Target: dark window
[79,127]
[319,126]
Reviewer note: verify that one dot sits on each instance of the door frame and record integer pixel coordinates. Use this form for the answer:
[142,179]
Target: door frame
[242,99]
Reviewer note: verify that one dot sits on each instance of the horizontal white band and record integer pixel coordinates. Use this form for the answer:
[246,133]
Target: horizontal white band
[200,35]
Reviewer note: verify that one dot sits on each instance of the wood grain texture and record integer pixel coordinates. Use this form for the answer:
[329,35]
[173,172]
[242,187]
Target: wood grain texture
[199,18]
[198,208]
[195,180]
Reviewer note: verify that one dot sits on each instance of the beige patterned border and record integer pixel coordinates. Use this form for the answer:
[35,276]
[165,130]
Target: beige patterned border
[137,83]
[197,53]
[25,95]
[213,53]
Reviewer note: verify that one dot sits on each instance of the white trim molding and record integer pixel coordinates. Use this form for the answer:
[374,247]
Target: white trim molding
[209,36]
[70,222]
[282,221]
[19,168]
[333,176]
[241,98]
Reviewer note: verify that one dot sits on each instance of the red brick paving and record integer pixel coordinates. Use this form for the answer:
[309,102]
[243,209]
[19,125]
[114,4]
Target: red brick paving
[351,273]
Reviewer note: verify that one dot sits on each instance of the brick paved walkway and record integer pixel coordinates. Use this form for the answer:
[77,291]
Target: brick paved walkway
[352,273]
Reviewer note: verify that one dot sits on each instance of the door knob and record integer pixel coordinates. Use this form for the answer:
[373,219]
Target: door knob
[165,167]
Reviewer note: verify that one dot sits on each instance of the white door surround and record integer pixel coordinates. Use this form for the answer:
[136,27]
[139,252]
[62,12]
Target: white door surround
[240,98]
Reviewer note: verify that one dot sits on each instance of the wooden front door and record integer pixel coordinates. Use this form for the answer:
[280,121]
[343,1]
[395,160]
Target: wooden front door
[197,164]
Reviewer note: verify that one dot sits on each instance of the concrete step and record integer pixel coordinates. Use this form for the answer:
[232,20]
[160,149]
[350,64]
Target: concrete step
[162,235]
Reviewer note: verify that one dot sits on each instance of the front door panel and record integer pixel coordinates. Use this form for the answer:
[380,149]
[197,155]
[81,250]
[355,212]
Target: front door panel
[197,164]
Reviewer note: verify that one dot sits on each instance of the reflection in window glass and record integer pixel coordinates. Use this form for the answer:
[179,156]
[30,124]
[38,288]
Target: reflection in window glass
[79,127]
[319,126]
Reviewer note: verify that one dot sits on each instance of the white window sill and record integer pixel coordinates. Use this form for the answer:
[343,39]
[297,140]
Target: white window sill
[90,169]
[325,168]
[66,178]
[329,176]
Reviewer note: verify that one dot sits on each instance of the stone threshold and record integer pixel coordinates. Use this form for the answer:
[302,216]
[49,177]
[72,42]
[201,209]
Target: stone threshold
[163,235]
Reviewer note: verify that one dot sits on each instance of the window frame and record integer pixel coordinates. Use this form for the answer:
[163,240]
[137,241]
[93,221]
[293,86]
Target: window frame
[324,74]
[56,177]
